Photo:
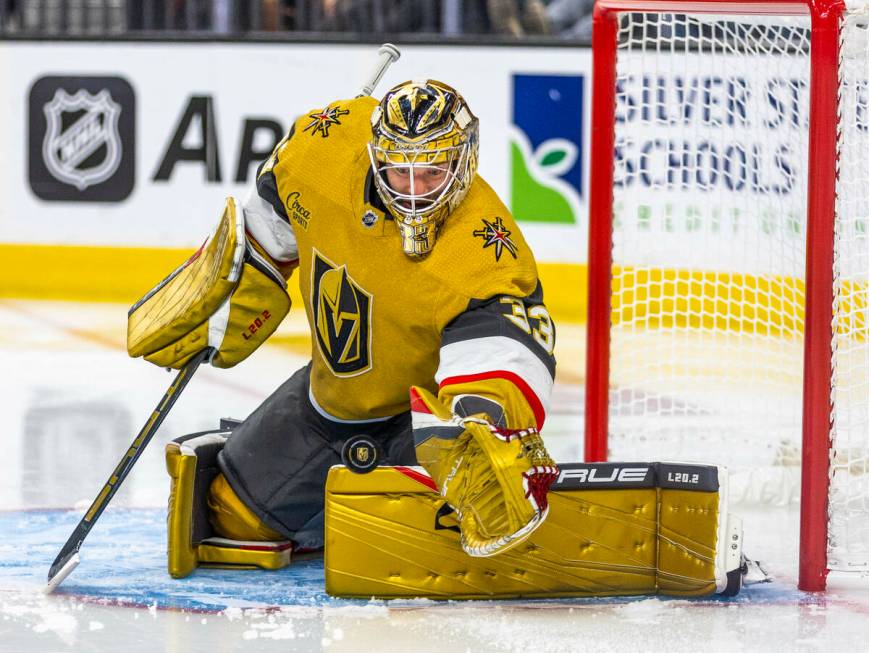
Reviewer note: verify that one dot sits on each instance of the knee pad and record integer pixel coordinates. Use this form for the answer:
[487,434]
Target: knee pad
[191,461]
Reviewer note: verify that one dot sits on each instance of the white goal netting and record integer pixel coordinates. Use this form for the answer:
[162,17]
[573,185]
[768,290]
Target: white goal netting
[709,255]
[849,461]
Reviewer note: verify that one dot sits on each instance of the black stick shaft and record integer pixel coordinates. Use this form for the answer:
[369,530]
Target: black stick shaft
[73,544]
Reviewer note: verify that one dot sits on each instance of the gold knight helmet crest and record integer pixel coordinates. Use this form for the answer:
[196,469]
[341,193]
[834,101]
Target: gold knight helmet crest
[342,313]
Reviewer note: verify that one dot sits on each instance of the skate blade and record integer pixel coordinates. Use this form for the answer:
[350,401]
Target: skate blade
[754,573]
[61,575]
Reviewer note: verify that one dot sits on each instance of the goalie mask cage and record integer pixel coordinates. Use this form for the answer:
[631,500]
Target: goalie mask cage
[729,253]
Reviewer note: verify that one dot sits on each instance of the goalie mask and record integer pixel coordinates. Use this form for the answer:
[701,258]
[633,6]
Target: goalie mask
[424,157]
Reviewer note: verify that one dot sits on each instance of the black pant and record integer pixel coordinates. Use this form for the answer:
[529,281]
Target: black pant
[277,459]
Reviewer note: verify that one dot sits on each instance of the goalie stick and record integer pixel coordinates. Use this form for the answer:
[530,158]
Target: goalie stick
[388,53]
[67,560]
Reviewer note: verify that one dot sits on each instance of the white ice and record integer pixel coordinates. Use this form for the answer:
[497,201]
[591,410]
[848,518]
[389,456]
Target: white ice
[71,401]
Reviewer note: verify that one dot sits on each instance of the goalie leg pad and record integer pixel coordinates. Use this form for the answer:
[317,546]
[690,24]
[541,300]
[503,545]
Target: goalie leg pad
[231,518]
[228,296]
[192,465]
[389,534]
[688,538]
[612,530]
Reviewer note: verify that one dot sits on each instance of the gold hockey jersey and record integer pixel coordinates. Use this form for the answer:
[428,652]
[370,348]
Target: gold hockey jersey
[467,320]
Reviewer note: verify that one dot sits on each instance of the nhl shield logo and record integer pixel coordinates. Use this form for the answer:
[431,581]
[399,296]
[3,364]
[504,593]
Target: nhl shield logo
[82,146]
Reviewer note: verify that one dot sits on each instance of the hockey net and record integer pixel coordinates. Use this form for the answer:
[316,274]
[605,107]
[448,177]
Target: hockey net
[708,233]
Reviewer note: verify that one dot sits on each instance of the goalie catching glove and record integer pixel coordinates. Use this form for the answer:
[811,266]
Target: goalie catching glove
[229,296]
[495,479]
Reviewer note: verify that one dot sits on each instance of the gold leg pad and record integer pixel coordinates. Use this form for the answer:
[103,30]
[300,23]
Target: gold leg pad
[182,558]
[184,555]
[231,518]
[687,542]
[218,552]
[389,534]
[401,542]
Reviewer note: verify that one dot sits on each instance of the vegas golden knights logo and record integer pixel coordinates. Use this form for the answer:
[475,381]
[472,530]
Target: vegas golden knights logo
[360,454]
[342,314]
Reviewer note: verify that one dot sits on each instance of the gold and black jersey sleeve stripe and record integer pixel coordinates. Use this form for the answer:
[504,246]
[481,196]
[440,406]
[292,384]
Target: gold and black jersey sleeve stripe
[486,318]
[266,184]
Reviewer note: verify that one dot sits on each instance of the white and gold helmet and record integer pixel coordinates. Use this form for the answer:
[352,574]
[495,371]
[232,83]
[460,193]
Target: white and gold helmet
[424,156]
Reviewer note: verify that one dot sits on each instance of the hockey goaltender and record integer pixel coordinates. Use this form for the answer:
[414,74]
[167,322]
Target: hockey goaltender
[431,347]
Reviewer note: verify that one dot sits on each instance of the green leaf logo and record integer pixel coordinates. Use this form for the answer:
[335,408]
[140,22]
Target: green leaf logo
[556,156]
[537,194]
[552,158]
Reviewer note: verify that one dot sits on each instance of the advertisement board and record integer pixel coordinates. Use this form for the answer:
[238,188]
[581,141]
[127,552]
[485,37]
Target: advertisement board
[137,144]
[133,147]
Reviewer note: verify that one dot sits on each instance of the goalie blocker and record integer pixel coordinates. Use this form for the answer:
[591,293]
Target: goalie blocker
[230,296]
[613,529]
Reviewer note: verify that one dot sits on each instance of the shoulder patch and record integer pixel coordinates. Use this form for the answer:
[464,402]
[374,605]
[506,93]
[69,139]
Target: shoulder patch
[496,235]
[322,120]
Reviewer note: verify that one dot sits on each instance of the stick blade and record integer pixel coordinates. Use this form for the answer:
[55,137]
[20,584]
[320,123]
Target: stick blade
[60,575]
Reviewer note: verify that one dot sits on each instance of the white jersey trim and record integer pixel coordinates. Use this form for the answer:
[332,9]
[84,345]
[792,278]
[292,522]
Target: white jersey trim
[493,353]
[240,241]
[217,324]
[332,418]
[270,230]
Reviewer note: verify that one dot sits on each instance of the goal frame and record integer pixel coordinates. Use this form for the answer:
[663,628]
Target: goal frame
[825,16]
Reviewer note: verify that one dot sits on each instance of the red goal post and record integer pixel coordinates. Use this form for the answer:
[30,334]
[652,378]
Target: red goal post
[825,18]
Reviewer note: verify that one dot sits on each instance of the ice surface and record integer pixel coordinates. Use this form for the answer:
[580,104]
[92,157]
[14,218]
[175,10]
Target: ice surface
[72,401]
